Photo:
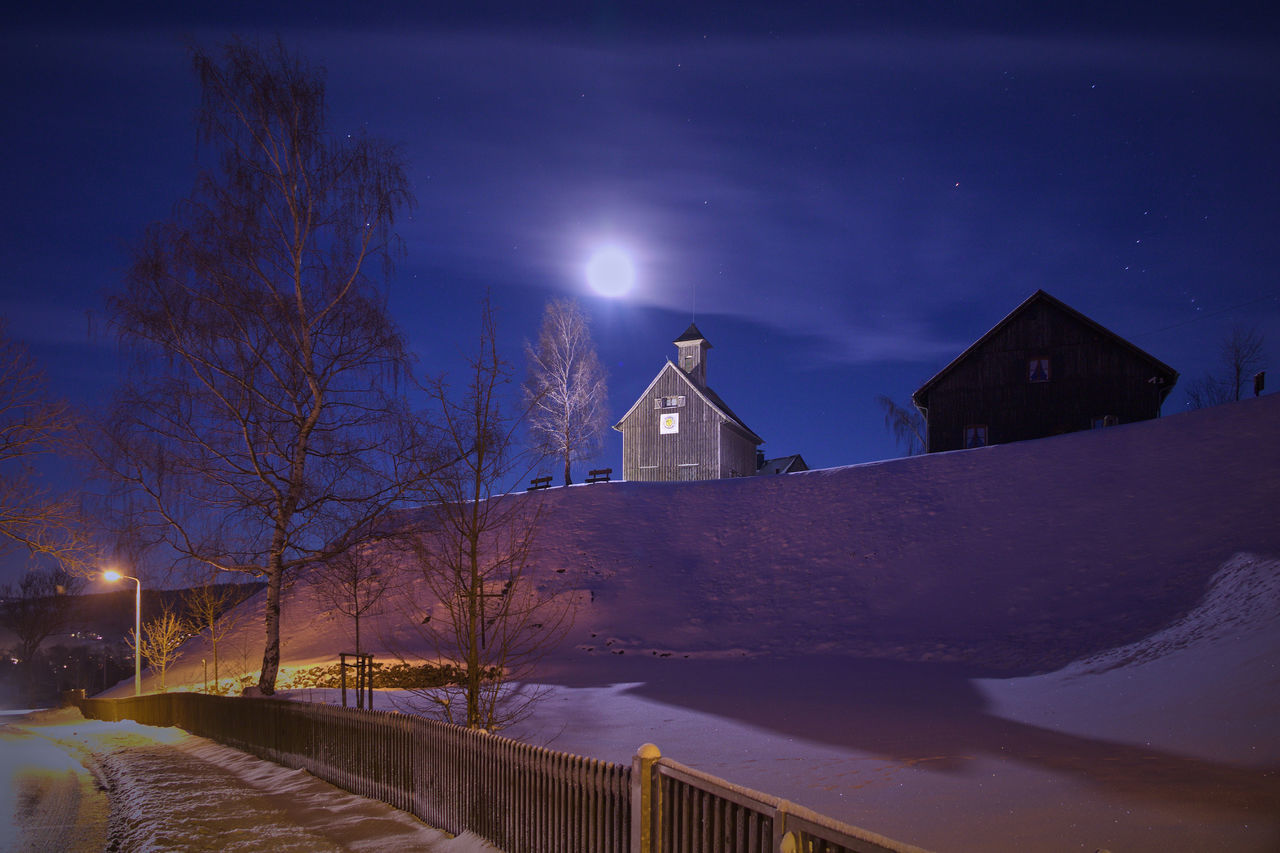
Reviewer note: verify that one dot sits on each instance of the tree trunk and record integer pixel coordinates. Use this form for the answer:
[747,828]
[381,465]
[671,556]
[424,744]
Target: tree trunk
[271,651]
[568,481]
[476,607]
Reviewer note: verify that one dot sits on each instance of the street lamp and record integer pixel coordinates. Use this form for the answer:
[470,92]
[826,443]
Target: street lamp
[113,575]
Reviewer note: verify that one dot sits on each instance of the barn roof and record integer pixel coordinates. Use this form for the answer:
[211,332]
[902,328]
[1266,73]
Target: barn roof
[1040,296]
[711,397]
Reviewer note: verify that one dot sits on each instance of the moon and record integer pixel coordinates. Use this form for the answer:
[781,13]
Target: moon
[610,271]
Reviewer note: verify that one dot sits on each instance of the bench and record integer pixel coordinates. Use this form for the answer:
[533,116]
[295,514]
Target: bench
[539,483]
[600,475]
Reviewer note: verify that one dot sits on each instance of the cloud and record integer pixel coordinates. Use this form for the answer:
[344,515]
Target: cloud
[836,184]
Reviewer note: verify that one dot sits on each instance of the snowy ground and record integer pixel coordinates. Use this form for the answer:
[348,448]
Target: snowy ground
[1165,745]
[171,791]
[1065,644]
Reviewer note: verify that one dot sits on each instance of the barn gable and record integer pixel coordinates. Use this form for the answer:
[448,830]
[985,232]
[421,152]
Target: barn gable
[1044,369]
[680,429]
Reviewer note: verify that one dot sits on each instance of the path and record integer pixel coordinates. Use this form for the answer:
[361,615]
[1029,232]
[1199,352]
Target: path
[169,790]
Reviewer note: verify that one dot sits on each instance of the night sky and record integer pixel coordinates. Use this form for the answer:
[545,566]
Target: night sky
[844,202]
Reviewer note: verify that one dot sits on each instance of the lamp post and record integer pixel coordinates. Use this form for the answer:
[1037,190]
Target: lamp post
[137,628]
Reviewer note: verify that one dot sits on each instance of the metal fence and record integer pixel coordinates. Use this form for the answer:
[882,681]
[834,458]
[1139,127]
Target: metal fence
[518,797]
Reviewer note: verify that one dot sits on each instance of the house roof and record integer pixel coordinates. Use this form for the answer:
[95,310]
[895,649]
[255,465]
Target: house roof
[783,465]
[692,334]
[711,397]
[1040,296]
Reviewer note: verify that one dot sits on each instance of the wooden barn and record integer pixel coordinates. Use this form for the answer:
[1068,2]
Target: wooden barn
[1043,370]
[679,429]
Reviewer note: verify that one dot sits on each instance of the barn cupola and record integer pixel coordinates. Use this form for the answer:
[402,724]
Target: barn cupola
[692,349]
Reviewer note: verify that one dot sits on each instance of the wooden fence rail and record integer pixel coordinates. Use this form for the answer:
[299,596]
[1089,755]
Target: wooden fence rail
[518,797]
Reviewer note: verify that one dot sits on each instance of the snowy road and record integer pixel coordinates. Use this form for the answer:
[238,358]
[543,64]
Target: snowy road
[169,790]
[49,801]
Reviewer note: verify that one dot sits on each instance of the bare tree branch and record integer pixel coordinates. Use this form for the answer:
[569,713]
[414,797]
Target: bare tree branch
[38,608]
[906,424]
[565,387]
[34,427]
[1240,356]
[264,428]
[477,604]
[352,583]
[162,638]
[210,608]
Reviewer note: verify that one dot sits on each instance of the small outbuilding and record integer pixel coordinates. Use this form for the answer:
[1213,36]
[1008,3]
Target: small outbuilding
[1043,370]
[679,429]
[792,464]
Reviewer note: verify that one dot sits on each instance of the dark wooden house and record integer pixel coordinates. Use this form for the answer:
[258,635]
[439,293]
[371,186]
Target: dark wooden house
[679,429]
[1043,370]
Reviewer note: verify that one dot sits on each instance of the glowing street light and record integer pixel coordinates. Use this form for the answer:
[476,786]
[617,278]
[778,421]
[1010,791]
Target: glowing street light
[113,575]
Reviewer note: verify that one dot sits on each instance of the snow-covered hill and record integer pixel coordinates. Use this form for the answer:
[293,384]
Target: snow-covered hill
[1015,559]
[1069,643]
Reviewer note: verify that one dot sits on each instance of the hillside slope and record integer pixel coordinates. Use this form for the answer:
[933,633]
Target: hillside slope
[1010,560]
[1017,558]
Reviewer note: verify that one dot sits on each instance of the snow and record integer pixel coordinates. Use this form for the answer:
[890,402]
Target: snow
[1060,644]
[173,791]
[1207,686]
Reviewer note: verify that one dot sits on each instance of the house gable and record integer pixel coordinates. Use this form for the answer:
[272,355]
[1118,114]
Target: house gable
[1042,370]
[680,430]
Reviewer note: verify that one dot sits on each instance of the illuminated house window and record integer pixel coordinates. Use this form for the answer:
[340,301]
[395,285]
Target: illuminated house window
[1038,369]
[975,435]
[1104,421]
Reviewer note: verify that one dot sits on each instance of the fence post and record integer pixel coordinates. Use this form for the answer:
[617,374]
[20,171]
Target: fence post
[780,834]
[645,800]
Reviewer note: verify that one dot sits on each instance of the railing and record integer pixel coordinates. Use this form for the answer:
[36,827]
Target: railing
[518,797]
[678,809]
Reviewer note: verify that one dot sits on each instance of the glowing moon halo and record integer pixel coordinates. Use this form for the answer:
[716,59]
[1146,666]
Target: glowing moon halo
[610,271]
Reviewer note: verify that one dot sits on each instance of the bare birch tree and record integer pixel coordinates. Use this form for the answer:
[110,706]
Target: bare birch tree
[565,387]
[263,428]
[482,611]
[161,639]
[33,427]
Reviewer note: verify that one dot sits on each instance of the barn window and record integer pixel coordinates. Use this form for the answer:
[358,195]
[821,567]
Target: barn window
[1038,369]
[1104,421]
[668,402]
[975,435]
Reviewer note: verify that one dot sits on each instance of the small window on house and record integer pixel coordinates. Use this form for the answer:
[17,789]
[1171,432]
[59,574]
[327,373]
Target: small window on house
[1104,421]
[975,435]
[1038,369]
[669,402]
